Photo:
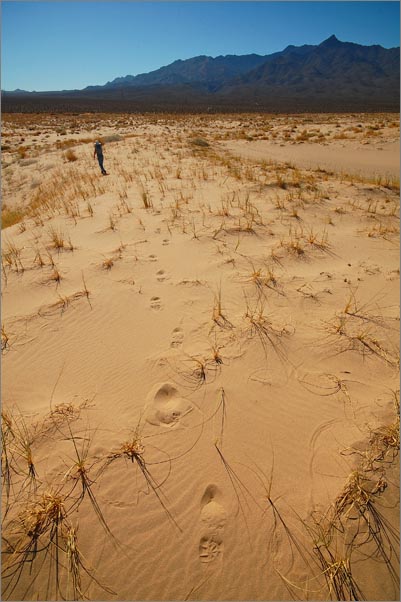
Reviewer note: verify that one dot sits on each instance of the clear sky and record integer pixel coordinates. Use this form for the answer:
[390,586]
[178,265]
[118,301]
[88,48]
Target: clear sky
[66,45]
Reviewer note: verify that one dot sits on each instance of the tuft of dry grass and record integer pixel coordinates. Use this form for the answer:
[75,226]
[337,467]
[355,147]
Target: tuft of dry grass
[9,216]
[11,257]
[355,527]
[146,200]
[57,238]
[218,314]
[55,276]
[36,535]
[108,263]
[134,451]
[355,329]
[261,325]
[70,156]
[5,339]
[199,143]
[199,371]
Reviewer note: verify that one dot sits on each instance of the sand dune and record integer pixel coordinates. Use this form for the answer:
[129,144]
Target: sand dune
[200,359]
[382,161]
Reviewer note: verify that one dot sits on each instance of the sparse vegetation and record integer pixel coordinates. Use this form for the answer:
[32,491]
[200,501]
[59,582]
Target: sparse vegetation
[230,315]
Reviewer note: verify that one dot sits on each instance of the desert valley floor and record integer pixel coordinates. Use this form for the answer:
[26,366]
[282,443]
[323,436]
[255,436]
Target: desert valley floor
[200,357]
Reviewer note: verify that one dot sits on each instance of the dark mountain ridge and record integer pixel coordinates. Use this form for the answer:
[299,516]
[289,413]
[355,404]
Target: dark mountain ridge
[333,76]
[200,69]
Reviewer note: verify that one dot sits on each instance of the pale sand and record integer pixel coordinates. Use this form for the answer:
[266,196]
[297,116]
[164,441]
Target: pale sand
[244,329]
[360,160]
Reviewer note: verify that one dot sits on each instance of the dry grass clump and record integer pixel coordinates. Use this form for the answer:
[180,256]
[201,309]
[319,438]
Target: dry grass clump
[262,278]
[62,193]
[218,314]
[304,136]
[111,138]
[134,451]
[197,370]
[70,156]
[383,231]
[293,244]
[11,257]
[7,437]
[355,528]
[41,548]
[146,200]
[5,339]
[199,142]
[64,302]
[66,144]
[358,329]
[43,540]
[108,263]
[54,277]
[261,325]
[22,152]
[299,241]
[384,441]
[58,240]
[365,340]
[9,217]
[36,532]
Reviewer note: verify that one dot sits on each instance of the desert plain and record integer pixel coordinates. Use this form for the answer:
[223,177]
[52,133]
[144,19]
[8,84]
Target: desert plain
[200,357]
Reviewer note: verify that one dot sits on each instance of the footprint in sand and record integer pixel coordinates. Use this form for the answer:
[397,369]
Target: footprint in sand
[155,303]
[166,241]
[177,338]
[210,548]
[166,407]
[213,518]
[152,257]
[161,275]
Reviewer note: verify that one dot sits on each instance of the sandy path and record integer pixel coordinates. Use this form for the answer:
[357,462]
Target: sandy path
[359,160]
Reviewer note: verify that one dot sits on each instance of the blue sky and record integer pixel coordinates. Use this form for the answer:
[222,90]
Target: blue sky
[66,45]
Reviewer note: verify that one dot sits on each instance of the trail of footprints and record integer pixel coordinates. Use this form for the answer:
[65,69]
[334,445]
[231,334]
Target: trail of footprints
[165,407]
[161,276]
[212,522]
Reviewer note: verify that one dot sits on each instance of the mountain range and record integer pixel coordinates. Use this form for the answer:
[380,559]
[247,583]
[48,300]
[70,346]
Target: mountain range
[331,76]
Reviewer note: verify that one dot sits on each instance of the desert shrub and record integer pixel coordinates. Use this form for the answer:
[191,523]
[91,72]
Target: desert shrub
[70,155]
[26,162]
[68,143]
[22,152]
[199,142]
[112,138]
[304,135]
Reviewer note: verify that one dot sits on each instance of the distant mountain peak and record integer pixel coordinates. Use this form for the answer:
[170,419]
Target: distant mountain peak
[331,41]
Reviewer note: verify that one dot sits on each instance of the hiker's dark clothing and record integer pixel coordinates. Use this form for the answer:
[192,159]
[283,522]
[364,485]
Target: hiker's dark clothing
[100,160]
[99,154]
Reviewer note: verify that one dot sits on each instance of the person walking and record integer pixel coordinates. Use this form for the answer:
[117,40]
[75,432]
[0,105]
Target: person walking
[98,151]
